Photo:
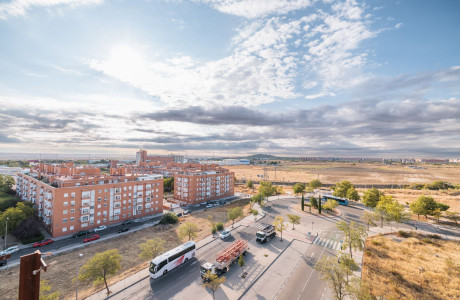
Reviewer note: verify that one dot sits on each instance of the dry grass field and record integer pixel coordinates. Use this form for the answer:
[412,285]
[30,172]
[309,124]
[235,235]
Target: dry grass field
[61,275]
[357,173]
[416,267]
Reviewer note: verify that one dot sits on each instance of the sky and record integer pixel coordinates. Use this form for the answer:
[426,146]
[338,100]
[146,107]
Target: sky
[344,78]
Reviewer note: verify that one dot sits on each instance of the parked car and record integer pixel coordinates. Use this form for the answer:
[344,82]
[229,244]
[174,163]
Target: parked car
[179,214]
[10,250]
[225,234]
[100,228]
[3,262]
[186,212]
[209,206]
[128,222]
[80,233]
[43,243]
[92,238]
[123,229]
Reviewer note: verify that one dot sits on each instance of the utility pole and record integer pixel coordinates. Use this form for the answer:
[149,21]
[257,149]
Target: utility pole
[29,275]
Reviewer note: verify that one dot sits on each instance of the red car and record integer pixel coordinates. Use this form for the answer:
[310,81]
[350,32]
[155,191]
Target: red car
[91,238]
[43,243]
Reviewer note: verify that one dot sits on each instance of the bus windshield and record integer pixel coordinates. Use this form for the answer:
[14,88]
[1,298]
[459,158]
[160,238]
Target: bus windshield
[152,268]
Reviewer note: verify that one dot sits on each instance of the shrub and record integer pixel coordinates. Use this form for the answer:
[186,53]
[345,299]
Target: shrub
[169,218]
[33,240]
[434,236]
[403,234]
[219,226]
[376,243]
[213,230]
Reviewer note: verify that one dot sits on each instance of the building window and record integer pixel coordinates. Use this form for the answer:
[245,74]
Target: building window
[66,203]
[66,195]
[64,229]
[98,221]
[105,220]
[105,190]
[72,203]
[71,228]
[72,211]
[64,212]
[105,204]
[116,217]
[72,219]
[64,220]
[84,218]
[98,206]
[99,199]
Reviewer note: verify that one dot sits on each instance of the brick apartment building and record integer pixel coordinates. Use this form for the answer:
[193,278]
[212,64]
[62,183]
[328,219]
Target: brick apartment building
[193,183]
[69,199]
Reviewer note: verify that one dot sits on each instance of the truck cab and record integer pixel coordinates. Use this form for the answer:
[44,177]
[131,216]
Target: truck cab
[265,234]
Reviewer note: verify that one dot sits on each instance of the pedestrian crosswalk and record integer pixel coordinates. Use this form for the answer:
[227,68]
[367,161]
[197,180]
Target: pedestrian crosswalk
[258,225]
[328,243]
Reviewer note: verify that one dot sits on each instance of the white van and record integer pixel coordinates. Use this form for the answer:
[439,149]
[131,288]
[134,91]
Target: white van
[10,250]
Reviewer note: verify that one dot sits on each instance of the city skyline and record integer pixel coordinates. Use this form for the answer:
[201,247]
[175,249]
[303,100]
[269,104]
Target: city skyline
[293,78]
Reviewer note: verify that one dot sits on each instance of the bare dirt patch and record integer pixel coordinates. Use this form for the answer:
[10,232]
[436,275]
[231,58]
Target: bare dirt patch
[417,267]
[61,275]
[357,173]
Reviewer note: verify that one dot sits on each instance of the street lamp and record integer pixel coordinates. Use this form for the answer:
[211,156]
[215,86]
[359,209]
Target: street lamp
[76,279]
[6,230]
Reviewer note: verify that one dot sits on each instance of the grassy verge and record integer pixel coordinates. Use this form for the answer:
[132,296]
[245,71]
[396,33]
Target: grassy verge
[61,276]
[412,266]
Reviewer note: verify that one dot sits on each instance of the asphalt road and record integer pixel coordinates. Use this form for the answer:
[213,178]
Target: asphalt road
[110,231]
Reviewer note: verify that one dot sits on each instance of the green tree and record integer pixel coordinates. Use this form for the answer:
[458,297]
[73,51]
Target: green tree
[382,211]
[313,203]
[424,205]
[7,183]
[280,225]
[334,275]
[453,216]
[168,184]
[302,204]
[266,189]
[234,213]
[341,188]
[314,184]
[189,230]
[213,282]
[258,198]
[437,213]
[330,204]
[250,184]
[442,206]
[45,291]
[371,197]
[298,188]
[348,263]
[319,204]
[169,218]
[368,218]
[254,212]
[355,235]
[352,194]
[14,215]
[294,219]
[152,248]
[100,267]
[396,211]
[241,262]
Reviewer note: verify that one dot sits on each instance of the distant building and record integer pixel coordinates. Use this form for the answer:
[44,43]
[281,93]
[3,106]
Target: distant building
[235,162]
[142,157]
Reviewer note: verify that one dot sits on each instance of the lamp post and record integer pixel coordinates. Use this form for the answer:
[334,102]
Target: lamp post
[6,230]
[76,279]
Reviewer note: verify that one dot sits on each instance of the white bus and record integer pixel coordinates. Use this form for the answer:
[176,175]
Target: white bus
[164,263]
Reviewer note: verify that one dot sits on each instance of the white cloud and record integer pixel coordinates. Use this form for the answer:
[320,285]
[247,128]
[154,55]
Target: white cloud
[397,26]
[17,8]
[256,8]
